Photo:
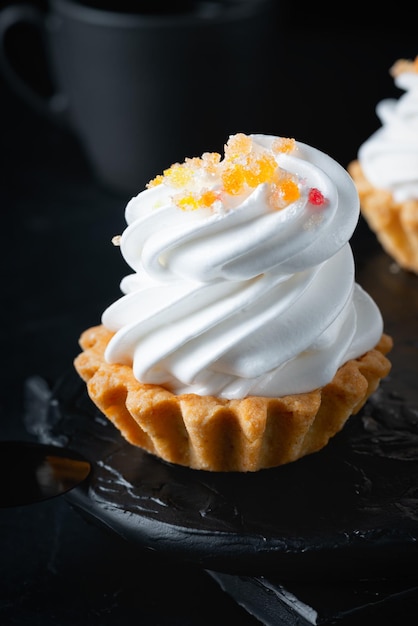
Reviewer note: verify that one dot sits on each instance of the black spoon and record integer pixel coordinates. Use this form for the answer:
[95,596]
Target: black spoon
[32,472]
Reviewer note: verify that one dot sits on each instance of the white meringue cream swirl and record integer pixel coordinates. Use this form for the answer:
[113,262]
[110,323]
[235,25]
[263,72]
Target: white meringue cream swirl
[240,298]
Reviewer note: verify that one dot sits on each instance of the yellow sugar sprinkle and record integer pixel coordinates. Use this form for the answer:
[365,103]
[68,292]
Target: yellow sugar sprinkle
[179,174]
[187,203]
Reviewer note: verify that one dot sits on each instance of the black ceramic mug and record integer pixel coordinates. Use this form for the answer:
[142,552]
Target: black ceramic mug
[147,83]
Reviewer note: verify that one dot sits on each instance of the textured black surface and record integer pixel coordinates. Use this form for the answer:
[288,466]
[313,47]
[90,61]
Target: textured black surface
[33,472]
[59,270]
[350,510]
[301,604]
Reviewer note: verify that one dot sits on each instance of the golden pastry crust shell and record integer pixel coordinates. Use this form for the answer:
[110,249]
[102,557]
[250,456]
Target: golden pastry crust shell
[395,224]
[216,434]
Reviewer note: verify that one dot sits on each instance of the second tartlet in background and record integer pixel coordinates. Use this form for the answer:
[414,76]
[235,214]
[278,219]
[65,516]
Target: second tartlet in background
[386,170]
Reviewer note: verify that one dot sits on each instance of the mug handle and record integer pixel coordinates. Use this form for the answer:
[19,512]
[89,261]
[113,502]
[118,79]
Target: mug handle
[54,106]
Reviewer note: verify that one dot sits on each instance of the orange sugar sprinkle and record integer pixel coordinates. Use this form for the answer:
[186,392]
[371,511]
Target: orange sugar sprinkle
[237,146]
[283,192]
[260,169]
[155,181]
[404,65]
[289,190]
[209,197]
[191,162]
[210,161]
[283,144]
[233,179]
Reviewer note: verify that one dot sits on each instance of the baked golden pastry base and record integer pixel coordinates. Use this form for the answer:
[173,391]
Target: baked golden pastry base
[395,224]
[216,434]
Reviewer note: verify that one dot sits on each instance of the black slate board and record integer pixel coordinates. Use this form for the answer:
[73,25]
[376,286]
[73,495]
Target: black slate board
[353,507]
[349,511]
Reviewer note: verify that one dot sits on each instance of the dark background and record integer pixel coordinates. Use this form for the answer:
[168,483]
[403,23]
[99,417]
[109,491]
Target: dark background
[326,72]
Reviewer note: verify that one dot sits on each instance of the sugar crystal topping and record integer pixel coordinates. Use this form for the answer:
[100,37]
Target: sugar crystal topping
[404,65]
[212,182]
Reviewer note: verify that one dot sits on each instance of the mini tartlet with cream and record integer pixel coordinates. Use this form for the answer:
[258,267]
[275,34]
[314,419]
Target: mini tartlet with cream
[386,170]
[242,340]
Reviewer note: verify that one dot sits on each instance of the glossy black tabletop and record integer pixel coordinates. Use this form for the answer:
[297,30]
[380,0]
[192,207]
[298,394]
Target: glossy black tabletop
[58,565]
